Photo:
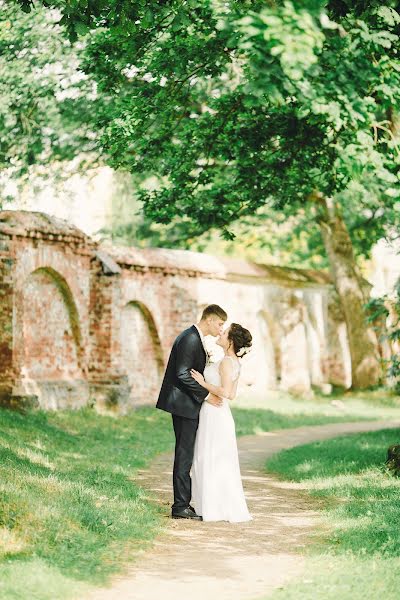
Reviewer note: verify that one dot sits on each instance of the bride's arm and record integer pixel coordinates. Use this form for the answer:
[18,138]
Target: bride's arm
[227,387]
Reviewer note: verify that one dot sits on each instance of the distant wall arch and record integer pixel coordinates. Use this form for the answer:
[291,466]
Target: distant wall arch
[51,344]
[271,344]
[294,349]
[141,352]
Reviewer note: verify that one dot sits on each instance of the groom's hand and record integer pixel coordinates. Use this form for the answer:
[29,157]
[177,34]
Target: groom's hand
[214,400]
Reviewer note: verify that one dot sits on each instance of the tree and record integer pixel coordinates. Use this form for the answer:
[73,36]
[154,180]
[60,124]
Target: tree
[238,106]
[45,98]
[385,317]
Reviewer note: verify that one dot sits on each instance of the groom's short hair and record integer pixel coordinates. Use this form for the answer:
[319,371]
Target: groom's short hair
[214,309]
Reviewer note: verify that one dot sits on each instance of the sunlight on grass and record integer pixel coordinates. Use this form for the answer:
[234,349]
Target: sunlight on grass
[257,420]
[68,495]
[344,578]
[358,558]
[34,579]
[10,543]
[70,507]
[36,457]
[370,404]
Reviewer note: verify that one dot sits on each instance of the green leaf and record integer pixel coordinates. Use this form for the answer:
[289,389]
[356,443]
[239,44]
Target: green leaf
[275,50]
[81,28]
[388,15]
[147,19]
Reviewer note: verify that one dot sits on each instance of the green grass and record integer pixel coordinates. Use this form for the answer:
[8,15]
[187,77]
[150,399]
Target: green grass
[373,404]
[344,578]
[71,513]
[357,556]
[256,420]
[70,510]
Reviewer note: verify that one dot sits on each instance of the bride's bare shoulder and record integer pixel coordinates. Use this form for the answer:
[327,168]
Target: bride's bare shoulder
[226,364]
[229,366]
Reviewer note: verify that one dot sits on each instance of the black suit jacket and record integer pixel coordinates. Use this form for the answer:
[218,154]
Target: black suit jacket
[180,394]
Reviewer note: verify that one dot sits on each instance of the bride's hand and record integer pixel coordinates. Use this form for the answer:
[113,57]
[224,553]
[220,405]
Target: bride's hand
[197,376]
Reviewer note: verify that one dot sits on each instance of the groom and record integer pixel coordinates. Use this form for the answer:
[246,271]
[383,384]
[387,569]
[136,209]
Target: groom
[182,396]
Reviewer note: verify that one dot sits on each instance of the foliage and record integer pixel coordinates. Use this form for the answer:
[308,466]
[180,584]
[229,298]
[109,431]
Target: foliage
[227,102]
[45,98]
[270,237]
[235,129]
[393,459]
[310,93]
[384,314]
[236,106]
[356,556]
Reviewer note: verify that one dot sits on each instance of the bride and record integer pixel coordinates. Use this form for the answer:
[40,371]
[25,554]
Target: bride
[216,481]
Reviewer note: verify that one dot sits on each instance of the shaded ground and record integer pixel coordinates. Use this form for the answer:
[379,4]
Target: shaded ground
[225,561]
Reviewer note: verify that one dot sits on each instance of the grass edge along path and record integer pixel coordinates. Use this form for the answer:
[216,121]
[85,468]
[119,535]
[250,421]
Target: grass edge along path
[356,554]
[258,556]
[71,514]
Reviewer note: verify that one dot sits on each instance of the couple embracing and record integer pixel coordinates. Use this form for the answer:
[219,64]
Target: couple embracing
[197,393]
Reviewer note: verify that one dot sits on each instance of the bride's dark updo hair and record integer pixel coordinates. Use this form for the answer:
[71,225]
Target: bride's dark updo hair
[241,339]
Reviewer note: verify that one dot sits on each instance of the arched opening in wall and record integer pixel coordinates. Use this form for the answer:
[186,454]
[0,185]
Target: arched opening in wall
[270,348]
[51,334]
[315,345]
[294,350]
[142,355]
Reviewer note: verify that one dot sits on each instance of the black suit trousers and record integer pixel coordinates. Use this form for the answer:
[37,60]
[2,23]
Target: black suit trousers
[185,435]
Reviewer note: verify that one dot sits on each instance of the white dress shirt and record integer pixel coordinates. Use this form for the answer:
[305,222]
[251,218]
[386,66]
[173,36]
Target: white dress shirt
[203,341]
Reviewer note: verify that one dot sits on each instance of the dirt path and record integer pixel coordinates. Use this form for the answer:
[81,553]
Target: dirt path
[210,561]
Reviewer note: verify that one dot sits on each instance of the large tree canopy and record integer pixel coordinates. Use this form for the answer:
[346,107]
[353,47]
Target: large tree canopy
[236,109]
[313,84]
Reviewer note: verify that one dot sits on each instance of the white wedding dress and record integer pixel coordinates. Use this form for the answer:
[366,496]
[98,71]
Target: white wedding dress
[217,489]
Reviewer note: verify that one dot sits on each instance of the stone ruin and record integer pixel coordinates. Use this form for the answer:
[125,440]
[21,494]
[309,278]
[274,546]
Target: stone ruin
[85,324]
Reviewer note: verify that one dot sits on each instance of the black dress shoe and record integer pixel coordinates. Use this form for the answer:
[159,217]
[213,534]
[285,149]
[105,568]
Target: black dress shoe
[186,513]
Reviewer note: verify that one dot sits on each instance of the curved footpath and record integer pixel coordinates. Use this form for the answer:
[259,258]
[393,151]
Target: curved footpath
[232,561]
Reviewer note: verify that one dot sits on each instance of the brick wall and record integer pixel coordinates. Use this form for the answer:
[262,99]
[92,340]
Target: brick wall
[80,324]
[141,353]
[6,317]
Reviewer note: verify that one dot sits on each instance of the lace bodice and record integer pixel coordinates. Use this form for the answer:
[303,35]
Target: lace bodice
[212,375]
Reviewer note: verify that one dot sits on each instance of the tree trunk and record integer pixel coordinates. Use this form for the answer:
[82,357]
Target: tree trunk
[365,364]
